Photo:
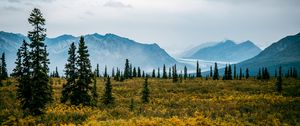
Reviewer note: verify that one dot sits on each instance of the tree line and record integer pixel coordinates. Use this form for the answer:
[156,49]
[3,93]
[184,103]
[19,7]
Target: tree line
[34,90]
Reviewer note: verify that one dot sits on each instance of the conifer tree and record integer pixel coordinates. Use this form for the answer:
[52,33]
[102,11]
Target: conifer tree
[153,73]
[70,73]
[139,72]
[200,73]
[80,94]
[97,71]
[134,74]
[278,84]
[164,72]
[41,91]
[197,69]
[185,72]
[113,72]
[3,74]
[127,69]
[24,90]
[247,73]
[259,76]
[105,72]
[170,74]
[17,71]
[145,92]
[130,71]
[143,75]
[174,74]
[216,73]
[158,72]
[56,72]
[225,77]
[107,97]
[211,73]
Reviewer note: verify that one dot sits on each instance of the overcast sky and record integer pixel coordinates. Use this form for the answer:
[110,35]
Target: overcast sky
[173,24]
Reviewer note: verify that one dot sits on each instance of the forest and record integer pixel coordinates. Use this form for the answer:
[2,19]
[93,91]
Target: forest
[34,95]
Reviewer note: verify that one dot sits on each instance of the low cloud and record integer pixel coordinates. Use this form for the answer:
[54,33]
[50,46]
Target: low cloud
[117,4]
[11,8]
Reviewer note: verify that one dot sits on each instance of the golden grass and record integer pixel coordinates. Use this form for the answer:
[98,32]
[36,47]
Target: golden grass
[192,102]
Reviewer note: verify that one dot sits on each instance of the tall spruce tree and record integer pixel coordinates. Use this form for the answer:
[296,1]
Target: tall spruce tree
[145,92]
[24,90]
[80,94]
[139,72]
[216,73]
[71,75]
[134,74]
[211,73]
[247,73]
[17,71]
[278,84]
[185,72]
[41,91]
[170,74]
[107,97]
[174,74]
[153,73]
[241,74]
[197,69]
[3,74]
[105,72]
[127,69]
[158,72]
[164,72]
[97,71]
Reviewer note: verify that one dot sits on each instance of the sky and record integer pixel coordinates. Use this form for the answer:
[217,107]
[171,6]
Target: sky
[176,25]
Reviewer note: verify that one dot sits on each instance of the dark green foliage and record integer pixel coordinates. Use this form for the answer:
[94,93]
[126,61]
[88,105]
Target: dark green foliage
[35,85]
[107,97]
[139,72]
[278,84]
[143,75]
[24,90]
[174,73]
[170,74]
[158,72]
[80,93]
[259,76]
[127,69]
[134,73]
[17,71]
[247,73]
[97,71]
[211,73]
[229,77]
[216,73]
[197,70]
[3,74]
[105,72]
[56,72]
[164,72]
[113,72]
[185,72]
[70,73]
[145,92]
[153,73]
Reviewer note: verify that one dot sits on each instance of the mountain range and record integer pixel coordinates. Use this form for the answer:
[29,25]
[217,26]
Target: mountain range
[107,50]
[285,53]
[225,51]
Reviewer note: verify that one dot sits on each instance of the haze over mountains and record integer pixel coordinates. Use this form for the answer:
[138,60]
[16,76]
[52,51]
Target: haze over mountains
[227,51]
[109,49]
[112,50]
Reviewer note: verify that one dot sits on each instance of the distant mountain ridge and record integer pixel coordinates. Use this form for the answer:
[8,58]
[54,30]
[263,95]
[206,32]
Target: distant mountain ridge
[285,53]
[227,51]
[108,50]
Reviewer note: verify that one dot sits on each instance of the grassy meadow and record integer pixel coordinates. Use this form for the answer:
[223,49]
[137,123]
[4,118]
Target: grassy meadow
[192,102]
